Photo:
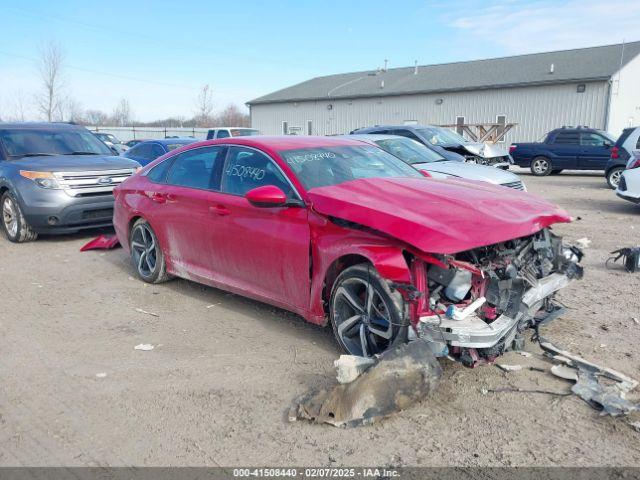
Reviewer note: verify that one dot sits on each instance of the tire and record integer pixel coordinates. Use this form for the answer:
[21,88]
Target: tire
[556,171]
[541,166]
[13,222]
[146,254]
[363,327]
[613,177]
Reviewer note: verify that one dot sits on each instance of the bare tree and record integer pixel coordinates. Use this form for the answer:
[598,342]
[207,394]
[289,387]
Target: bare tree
[232,116]
[18,108]
[96,117]
[204,106]
[51,77]
[71,110]
[122,115]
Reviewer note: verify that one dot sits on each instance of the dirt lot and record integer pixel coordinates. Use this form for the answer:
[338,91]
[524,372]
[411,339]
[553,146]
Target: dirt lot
[217,386]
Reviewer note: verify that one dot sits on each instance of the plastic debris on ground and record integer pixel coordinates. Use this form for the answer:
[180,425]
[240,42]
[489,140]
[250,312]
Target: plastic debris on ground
[509,368]
[144,347]
[103,242]
[139,310]
[602,388]
[583,243]
[350,367]
[399,378]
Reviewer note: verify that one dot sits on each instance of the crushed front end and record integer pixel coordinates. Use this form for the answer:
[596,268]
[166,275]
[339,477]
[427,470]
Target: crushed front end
[474,305]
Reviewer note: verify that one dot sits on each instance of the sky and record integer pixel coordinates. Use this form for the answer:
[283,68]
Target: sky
[159,54]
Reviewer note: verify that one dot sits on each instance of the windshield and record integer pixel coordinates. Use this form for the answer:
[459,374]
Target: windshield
[244,132]
[409,150]
[442,136]
[20,143]
[323,166]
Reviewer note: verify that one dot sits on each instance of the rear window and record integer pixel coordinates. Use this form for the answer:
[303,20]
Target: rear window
[244,132]
[623,138]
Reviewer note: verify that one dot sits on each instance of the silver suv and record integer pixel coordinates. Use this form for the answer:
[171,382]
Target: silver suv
[56,178]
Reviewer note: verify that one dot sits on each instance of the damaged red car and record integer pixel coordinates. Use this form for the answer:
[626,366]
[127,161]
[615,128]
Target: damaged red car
[342,232]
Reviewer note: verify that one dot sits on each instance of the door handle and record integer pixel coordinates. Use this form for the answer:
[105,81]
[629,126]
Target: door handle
[158,197]
[220,210]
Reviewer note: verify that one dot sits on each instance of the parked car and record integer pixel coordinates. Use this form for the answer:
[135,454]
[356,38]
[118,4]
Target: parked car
[133,143]
[147,151]
[579,148]
[343,232]
[448,143]
[629,185]
[56,178]
[113,142]
[620,155]
[432,164]
[226,132]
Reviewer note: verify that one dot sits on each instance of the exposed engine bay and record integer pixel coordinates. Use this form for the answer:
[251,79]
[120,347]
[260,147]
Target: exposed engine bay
[474,305]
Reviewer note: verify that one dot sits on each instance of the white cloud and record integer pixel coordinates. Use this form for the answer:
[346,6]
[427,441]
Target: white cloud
[519,27]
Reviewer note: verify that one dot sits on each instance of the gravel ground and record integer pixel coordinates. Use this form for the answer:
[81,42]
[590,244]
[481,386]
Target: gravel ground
[217,386]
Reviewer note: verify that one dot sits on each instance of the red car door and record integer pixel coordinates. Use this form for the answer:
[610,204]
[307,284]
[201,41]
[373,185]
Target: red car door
[183,216]
[264,251]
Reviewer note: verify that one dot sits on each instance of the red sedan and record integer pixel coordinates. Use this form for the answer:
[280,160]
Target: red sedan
[338,230]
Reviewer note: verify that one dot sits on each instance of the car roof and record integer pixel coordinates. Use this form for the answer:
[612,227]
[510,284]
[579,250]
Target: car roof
[170,141]
[285,142]
[406,127]
[39,125]
[229,128]
[372,137]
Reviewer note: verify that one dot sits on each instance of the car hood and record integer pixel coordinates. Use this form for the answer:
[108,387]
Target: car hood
[470,171]
[74,163]
[437,216]
[485,150]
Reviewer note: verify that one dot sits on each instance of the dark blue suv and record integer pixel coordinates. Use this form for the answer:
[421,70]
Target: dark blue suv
[575,148]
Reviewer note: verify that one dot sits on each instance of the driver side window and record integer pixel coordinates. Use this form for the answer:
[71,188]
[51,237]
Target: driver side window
[247,169]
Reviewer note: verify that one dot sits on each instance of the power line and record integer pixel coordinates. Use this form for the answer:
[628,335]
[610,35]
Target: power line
[108,74]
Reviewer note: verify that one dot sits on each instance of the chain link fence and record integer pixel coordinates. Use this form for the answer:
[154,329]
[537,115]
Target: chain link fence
[151,133]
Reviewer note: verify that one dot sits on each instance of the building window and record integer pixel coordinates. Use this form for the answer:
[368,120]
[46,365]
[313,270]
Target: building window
[459,124]
[285,128]
[309,127]
[581,88]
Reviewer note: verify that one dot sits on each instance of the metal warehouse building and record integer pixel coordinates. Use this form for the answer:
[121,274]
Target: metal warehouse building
[598,87]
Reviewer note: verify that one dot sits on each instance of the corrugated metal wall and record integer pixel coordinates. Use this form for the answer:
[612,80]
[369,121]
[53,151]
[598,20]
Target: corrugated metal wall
[536,110]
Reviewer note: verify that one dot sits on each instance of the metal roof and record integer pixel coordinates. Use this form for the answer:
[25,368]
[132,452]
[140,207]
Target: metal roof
[583,64]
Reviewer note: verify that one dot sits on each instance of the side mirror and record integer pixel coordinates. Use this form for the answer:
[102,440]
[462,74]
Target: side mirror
[607,145]
[266,196]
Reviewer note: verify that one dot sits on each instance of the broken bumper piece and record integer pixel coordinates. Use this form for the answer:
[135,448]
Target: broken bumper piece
[474,332]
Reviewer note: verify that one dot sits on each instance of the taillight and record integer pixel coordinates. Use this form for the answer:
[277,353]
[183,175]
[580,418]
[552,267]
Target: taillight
[615,153]
[425,173]
[635,164]
[512,148]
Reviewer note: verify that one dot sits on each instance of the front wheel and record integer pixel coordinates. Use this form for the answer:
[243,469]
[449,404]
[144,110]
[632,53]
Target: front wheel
[367,317]
[14,225]
[541,166]
[613,177]
[146,254]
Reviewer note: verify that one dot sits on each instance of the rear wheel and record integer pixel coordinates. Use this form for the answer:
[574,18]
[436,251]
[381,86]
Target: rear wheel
[367,317]
[541,166]
[14,225]
[613,177]
[146,253]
